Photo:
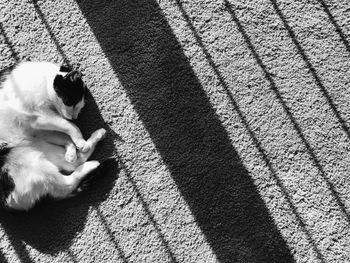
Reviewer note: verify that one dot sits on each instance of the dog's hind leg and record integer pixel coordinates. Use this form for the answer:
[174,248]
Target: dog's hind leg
[61,139]
[65,185]
[57,154]
[82,157]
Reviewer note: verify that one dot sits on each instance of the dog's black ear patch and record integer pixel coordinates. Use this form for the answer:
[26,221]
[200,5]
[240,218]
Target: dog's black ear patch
[74,75]
[70,88]
[65,68]
[58,85]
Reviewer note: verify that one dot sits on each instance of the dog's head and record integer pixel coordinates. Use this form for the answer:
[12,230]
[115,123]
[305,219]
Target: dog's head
[70,90]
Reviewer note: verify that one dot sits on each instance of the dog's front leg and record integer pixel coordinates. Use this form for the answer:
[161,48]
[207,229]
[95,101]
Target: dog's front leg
[56,123]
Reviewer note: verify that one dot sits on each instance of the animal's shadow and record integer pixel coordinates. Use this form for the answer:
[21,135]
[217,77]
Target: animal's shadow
[51,226]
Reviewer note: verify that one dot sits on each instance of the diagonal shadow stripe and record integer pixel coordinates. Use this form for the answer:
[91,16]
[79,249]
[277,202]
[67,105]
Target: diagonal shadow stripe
[335,24]
[49,30]
[71,256]
[150,216]
[186,131]
[9,44]
[111,235]
[253,136]
[288,113]
[311,69]
[20,250]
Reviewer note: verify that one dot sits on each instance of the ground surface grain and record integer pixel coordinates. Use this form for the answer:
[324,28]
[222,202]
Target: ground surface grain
[230,120]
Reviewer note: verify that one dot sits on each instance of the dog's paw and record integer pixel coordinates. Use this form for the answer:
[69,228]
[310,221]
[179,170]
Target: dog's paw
[100,134]
[71,155]
[82,145]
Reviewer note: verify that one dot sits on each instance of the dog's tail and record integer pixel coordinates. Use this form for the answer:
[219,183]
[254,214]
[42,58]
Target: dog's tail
[105,166]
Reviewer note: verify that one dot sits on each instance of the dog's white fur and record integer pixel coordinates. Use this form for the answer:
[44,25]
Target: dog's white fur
[32,124]
[29,88]
[35,164]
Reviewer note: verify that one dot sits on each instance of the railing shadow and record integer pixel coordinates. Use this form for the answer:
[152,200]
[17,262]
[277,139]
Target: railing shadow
[111,236]
[49,30]
[253,136]
[288,112]
[20,250]
[312,70]
[71,256]
[176,112]
[149,214]
[335,24]
[9,44]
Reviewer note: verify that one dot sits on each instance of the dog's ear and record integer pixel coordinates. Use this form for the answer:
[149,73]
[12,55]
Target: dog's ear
[59,79]
[65,68]
[59,84]
[74,76]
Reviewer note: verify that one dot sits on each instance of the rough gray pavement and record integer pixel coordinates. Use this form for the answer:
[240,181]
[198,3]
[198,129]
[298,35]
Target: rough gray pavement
[230,121]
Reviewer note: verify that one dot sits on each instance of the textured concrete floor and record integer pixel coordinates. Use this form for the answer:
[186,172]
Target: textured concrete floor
[230,120]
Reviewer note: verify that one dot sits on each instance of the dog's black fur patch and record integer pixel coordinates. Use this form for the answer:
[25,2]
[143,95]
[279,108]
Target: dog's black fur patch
[65,68]
[6,182]
[70,88]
